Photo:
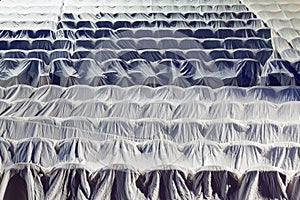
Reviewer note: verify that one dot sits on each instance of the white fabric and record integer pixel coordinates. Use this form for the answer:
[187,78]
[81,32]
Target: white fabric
[73,141]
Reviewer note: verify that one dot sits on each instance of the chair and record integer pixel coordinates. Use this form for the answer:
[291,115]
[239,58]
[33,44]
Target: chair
[20,44]
[223,33]
[248,72]
[175,55]
[6,34]
[40,54]
[105,43]
[151,55]
[161,33]
[42,44]
[126,44]
[104,55]
[180,33]
[141,33]
[198,24]
[128,55]
[124,33]
[122,24]
[263,55]
[256,43]
[165,43]
[81,54]
[245,15]
[190,44]
[45,33]
[84,44]
[4,45]
[235,23]
[104,33]
[84,33]
[242,53]
[159,24]
[233,43]
[66,25]
[216,54]
[245,33]
[204,33]
[63,44]
[85,25]
[59,54]
[104,24]
[217,24]
[264,33]
[146,44]
[211,44]
[62,72]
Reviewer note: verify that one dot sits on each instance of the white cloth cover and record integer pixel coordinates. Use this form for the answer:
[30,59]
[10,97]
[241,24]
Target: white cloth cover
[152,99]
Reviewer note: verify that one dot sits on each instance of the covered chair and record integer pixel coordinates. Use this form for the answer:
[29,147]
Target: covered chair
[89,72]
[268,183]
[69,181]
[23,181]
[278,72]
[116,182]
[62,72]
[214,183]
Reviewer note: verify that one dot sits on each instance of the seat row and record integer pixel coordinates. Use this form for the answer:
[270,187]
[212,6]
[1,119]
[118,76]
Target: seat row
[49,153]
[30,9]
[139,71]
[222,72]
[278,72]
[135,33]
[34,25]
[137,8]
[148,55]
[28,16]
[225,15]
[145,130]
[125,182]
[26,33]
[146,94]
[122,3]
[188,113]
[182,43]
[156,23]
[200,33]
[140,44]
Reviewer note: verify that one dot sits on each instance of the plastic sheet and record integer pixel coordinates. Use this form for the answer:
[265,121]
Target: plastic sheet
[90,89]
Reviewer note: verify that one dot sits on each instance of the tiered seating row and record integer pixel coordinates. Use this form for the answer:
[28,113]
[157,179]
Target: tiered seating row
[152,7]
[167,15]
[138,93]
[154,23]
[138,71]
[178,131]
[149,154]
[135,68]
[125,182]
[168,43]
[157,33]
[195,110]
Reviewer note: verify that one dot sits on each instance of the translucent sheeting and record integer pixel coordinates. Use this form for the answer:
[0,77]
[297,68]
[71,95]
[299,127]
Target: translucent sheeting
[90,89]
